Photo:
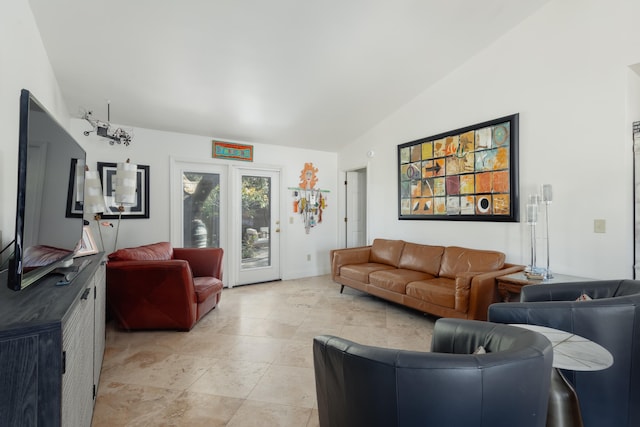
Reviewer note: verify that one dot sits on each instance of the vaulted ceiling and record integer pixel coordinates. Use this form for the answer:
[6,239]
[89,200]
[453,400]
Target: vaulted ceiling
[289,72]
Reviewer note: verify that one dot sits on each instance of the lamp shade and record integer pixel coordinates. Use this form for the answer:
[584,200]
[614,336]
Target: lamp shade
[93,198]
[126,183]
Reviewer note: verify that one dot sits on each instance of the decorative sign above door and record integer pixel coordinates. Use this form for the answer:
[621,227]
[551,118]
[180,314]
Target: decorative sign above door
[227,150]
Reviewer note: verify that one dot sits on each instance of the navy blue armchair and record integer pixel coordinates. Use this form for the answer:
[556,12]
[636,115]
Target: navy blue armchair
[610,397]
[363,386]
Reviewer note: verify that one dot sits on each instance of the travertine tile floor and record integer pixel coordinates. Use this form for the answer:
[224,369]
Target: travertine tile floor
[247,363]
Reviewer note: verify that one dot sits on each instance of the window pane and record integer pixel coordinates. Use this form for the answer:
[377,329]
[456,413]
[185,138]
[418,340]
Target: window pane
[256,221]
[201,210]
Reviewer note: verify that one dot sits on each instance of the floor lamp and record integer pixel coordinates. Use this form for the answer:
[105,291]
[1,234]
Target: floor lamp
[93,198]
[126,185]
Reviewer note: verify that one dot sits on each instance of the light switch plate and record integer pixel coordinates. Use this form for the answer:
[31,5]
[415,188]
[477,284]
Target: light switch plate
[599,226]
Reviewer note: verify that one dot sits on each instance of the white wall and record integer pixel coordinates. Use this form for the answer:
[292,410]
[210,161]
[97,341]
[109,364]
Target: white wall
[565,70]
[156,148]
[25,65]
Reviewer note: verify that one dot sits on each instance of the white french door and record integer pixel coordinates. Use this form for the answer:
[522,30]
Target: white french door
[257,233]
[235,208]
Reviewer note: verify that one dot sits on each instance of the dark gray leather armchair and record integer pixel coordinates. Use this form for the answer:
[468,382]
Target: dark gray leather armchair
[610,397]
[363,386]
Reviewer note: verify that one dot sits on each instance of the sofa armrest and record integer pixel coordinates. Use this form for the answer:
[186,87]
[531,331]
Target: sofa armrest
[204,262]
[140,293]
[340,257]
[463,286]
[482,290]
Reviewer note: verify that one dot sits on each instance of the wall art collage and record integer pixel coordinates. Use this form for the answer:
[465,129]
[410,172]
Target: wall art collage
[465,174]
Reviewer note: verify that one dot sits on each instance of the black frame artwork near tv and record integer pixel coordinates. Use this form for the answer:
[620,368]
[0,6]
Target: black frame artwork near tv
[45,238]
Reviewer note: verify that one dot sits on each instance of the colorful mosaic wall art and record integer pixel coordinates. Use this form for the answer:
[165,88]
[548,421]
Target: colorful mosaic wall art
[465,174]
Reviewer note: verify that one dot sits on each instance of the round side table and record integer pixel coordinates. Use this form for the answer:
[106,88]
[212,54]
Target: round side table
[574,353]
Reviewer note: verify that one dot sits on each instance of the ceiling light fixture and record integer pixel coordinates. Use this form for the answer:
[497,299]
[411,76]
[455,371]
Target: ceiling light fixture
[103,129]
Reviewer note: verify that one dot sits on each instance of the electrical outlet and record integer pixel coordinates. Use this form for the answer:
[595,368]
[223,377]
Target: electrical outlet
[290,220]
[308,257]
[599,226]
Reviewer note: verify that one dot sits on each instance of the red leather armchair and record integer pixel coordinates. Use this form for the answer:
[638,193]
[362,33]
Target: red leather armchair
[160,287]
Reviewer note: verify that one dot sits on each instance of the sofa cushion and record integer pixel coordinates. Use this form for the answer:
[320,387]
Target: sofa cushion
[437,291]
[396,279]
[161,251]
[385,251]
[458,260]
[423,258]
[360,272]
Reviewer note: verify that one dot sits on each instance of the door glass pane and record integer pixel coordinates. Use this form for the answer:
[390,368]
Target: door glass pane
[201,210]
[256,221]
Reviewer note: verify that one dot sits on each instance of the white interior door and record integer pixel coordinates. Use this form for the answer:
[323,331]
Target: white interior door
[257,236]
[356,203]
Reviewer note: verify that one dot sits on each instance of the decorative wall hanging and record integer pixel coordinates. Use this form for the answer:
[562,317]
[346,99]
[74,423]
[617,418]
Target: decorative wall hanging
[226,150]
[468,174]
[309,201]
[138,209]
[104,129]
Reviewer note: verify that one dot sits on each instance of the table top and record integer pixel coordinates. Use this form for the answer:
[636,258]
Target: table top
[573,352]
[520,278]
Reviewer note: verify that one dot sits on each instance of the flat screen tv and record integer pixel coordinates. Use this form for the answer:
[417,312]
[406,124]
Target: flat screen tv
[46,236]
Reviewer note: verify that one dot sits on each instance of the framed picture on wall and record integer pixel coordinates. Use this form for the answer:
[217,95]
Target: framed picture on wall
[74,197]
[467,174]
[108,179]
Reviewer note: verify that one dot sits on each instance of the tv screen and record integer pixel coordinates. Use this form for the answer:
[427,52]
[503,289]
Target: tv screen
[46,235]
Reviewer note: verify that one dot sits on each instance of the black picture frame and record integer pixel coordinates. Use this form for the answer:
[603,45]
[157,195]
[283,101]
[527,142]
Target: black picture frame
[74,206]
[467,174]
[140,209]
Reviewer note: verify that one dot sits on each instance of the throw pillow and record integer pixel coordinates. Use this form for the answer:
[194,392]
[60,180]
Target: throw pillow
[480,350]
[584,297]
[154,252]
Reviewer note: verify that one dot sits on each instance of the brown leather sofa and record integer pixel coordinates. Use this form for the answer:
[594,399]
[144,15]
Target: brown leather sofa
[160,287]
[445,281]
